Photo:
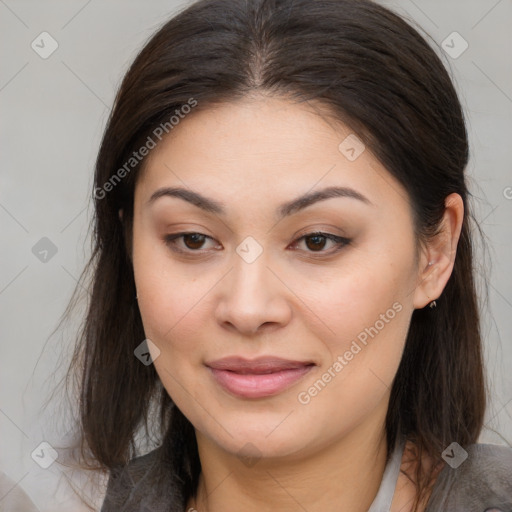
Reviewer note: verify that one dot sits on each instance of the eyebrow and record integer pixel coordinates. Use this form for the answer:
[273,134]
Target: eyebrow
[284,210]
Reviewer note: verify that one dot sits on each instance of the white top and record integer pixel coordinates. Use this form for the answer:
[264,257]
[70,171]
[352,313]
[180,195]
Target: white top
[382,502]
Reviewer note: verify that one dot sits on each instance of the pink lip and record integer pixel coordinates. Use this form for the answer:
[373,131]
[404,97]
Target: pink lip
[256,378]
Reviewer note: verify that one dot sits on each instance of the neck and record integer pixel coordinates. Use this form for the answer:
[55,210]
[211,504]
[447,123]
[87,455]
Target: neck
[344,475]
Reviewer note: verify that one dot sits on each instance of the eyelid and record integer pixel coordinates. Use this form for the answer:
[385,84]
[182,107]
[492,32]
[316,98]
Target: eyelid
[169,241]
[339,240]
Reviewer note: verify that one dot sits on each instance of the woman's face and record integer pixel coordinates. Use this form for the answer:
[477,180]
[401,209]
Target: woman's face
[250,284]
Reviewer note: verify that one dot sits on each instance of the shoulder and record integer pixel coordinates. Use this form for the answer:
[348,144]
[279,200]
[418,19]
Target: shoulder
[476,478]
[131,488]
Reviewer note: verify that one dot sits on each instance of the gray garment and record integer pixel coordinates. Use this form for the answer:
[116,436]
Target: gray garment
[482,483]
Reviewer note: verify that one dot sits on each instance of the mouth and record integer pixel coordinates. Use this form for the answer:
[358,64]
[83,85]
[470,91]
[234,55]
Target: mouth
[257,378]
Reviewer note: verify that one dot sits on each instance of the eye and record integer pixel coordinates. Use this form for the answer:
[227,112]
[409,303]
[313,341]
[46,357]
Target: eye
[315,242]
[192,241]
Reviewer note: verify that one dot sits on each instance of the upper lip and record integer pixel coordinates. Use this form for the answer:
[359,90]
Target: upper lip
[264,364]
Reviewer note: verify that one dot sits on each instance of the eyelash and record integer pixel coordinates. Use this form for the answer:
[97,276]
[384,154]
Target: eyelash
[341,242]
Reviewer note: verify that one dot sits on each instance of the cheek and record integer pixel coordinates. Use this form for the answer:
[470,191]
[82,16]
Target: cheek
[161,308]
[358,294]
[368,311]
[171,308]
[370,319]
[166,292]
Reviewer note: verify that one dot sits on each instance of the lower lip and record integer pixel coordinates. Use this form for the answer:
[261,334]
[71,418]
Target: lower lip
[258,385]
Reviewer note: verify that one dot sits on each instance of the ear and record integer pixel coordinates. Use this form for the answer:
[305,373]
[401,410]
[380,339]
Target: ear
[120,214]
[438,257]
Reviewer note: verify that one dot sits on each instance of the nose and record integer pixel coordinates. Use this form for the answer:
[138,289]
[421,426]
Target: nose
[254,298]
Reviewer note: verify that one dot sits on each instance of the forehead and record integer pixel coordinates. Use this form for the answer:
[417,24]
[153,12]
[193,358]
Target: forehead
[262,149]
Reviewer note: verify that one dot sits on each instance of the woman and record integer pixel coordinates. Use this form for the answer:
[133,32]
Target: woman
[283,272]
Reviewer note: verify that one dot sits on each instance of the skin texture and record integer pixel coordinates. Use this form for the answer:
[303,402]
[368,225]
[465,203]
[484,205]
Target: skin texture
[298,300]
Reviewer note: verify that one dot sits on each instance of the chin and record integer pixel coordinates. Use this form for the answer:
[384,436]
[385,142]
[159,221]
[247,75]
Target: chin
[260,441]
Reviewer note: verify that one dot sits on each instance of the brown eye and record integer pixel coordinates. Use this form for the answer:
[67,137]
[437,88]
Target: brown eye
[316,242]
[193,240]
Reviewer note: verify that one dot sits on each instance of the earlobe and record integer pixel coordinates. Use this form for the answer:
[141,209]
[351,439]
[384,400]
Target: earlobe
[438,259]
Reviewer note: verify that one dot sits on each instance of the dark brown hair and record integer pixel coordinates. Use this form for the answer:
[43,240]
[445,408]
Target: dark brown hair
[371,70]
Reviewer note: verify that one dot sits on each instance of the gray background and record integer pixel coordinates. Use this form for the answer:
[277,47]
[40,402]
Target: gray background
[53,114]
